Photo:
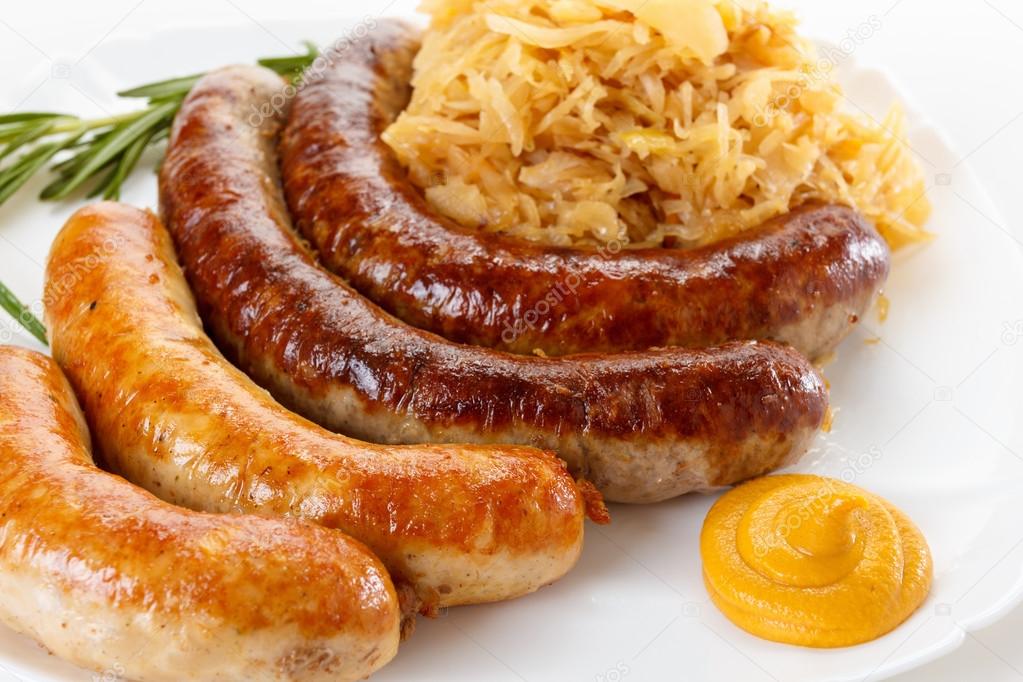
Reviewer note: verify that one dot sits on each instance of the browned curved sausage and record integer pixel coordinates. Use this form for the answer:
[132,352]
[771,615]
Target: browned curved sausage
[105,575]
[803,279]
[460,524]
[642,426]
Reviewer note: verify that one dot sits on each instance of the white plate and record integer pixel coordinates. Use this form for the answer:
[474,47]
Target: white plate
[925,417]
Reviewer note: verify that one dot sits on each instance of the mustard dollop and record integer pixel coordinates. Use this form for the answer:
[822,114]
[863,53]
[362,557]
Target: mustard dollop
[813,561]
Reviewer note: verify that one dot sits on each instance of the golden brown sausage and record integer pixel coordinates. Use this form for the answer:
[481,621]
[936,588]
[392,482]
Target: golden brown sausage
[642,426]
[462,524]
[106,576]
[803,279]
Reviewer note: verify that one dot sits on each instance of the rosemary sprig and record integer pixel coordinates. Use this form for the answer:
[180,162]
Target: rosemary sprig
[96,155]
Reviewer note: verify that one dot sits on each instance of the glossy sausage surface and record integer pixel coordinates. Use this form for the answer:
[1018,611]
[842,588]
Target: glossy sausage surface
[641,426]
[461,524]
[107,576]
[803,279]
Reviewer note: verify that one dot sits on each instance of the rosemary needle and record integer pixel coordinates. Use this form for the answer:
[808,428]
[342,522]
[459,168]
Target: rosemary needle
[100,153]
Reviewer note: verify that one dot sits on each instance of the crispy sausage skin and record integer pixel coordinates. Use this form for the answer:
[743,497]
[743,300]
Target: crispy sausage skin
[107,576]
[803,279]
[642,426]
[461,524]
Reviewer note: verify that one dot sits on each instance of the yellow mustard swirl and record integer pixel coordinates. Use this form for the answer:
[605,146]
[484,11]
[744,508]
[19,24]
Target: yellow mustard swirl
[813,561]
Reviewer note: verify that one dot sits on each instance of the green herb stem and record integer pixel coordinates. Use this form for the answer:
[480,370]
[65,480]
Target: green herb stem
[20,312]
[96,155]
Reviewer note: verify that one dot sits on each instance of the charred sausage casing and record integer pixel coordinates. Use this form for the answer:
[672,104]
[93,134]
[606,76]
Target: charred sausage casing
[106,576]
[803,279]
[641,426]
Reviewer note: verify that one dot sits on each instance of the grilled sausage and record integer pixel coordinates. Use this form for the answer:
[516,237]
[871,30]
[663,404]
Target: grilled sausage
[802,279]
[642,426]
[108,577]
[460,524]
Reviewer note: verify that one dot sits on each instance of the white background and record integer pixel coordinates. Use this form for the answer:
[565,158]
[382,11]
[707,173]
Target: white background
[959,62]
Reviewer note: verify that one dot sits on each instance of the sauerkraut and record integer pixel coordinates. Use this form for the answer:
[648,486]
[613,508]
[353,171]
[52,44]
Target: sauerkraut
[641,122]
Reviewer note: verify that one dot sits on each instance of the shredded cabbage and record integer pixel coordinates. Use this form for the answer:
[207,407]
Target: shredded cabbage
[641,122]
